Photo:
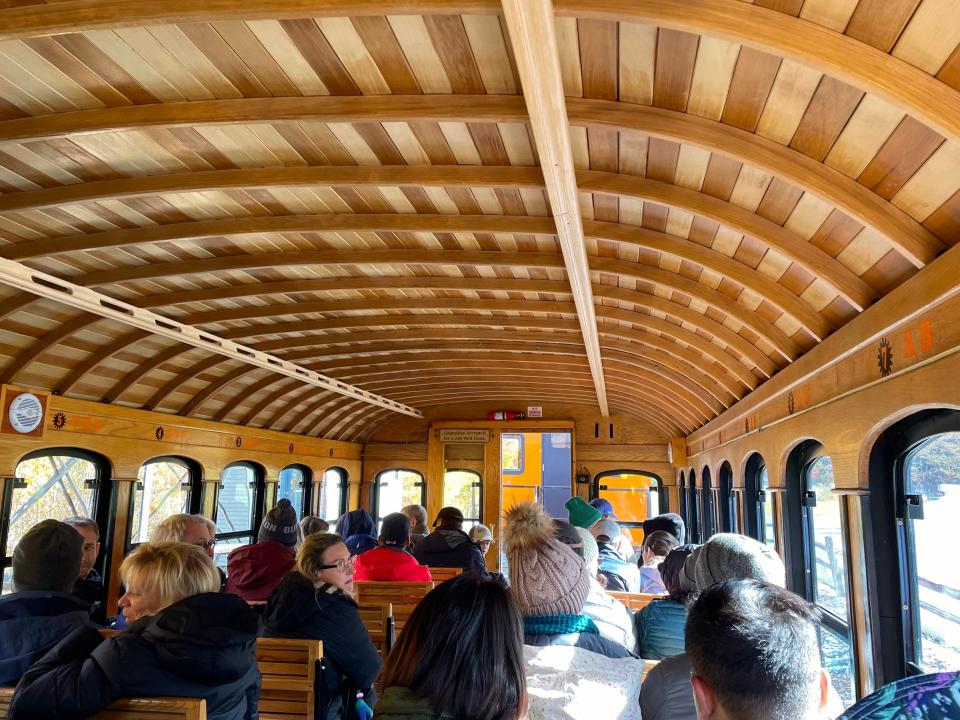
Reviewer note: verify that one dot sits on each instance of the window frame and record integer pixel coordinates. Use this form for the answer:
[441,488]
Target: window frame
[478,483]
[682,497]
[726,499]
[195,473]
[104,502]
[693,509]
[662,500]
[375,500]
[306,484]
[259,499]
[344,492]
[754,520]
[521,456]
[708,506]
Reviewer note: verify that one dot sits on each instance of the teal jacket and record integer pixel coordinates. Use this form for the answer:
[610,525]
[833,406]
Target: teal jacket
[659,629]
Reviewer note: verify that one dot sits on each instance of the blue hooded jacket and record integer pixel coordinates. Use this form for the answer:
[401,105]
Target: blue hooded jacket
[358,531]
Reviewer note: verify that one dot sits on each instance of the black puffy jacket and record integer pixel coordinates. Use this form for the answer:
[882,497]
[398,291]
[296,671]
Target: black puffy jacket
[201,647]
[449,547]
[298,610]
[31,623]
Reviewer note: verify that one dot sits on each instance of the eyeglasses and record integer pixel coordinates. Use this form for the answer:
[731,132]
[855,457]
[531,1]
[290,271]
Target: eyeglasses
[206,544]
[339,565]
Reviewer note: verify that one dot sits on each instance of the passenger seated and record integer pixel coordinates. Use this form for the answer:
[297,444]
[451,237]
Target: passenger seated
[667,522]
[192,530]
[89,584]
[656,547]
[550,585]
[312,525]
[316,601]
[358,531]
[581,514]
[388,561]
[253,571]
[666,693]
[418,523]
[625,542]
[186,639]
[659,625]
[482,537]
[448,545]
[920,697]
[754,653]
[41,610]
[459,656]
[609,614]
[621,575]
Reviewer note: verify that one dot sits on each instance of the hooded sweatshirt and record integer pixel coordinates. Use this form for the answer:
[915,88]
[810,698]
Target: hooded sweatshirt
[253,571]
[449,547]
[31,623]
[201,647]
[298,610]
[386,563]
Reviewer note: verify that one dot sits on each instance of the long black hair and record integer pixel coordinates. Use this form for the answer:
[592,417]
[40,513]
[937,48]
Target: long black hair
[463,649]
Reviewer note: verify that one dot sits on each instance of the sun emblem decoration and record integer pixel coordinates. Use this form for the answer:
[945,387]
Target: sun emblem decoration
[159,433]
[885,357]
[59,421]
[239,441]
[791,403]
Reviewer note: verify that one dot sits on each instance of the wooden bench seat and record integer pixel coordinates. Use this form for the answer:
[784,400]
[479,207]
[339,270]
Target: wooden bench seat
[158,708]
[442,574]
[403,596]
[289,673]
[635,601]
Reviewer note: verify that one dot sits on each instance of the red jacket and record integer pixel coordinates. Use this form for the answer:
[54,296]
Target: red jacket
[253,571]
[383,563]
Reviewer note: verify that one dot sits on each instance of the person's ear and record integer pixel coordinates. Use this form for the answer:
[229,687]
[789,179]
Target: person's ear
[706,701]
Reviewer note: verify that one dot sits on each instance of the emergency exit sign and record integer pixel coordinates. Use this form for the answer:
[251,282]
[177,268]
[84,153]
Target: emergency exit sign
[535,411]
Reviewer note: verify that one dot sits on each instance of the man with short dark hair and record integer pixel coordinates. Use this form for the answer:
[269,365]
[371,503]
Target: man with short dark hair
[388,561]
[754,654]
[89,585]
[448,545]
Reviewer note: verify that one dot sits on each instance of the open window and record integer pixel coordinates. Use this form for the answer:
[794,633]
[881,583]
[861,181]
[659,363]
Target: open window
[165,486]
[634,494]
[760,514]
[239,509]
[57,484]
[726,500]
[708,506]
[693,509]
[463,489]
[333,494]
[294,485]
[395,489]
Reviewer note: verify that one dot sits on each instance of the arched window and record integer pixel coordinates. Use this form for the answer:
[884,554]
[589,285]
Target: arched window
[294,485]
[239,508]
[333,494]
[682,493]
[635,494]
[708,505]
[395,489]
[165,486]
[726,500]
[58,484]
[463,489]
[693,509]
[816,557]
[760,521]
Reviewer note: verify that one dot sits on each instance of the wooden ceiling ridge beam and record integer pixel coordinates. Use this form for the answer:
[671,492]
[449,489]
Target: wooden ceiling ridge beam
[741,273]
[532,34]
[833,53]
[913,240]
[847,283]
[459,335]
[53,288]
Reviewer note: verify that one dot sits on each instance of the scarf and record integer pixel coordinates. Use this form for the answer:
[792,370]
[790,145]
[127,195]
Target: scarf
[558,625]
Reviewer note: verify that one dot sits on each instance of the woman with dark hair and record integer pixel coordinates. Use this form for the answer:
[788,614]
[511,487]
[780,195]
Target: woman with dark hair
[659,626]
[316,601]
[459,656]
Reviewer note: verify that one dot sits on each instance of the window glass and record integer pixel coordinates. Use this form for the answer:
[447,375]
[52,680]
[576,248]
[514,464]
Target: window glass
[234,512]
[162,489]
[708,509]
[331,495]
[828,575]
[766,507]
[291,487]
[53,486]
[396,489]
[933,472]
[635,497]
[462,489]
[511,453]
[682,493]
[726,502]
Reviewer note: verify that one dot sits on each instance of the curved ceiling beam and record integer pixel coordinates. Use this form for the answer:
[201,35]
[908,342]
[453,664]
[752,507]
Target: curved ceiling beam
[100,355]
[778,33]
[252,414]
[315,175]
[243,111]
[912,240]
[741,273]
[143,368]
[44,343]
[847,284]
[171,386]
[213,387]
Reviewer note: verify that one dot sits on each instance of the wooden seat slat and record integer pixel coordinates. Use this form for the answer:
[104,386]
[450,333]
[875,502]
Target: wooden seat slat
[288,668]
[158,708]
[442,574]
[293,669]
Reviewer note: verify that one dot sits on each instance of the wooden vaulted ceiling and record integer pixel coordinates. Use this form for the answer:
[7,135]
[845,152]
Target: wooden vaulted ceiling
[357,188]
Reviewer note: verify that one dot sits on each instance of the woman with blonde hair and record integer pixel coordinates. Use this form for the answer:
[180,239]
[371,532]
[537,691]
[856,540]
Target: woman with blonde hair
[316,601]
[185,639]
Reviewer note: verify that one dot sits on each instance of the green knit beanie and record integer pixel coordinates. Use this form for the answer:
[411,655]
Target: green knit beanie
[581,513]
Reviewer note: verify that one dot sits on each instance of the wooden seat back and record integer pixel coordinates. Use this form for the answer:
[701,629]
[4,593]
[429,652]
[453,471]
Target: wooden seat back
[377,619]
[442,574]
[403,596]
[158,708]
[635,601]
[289,673]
